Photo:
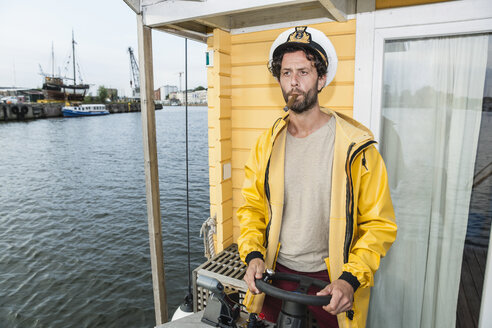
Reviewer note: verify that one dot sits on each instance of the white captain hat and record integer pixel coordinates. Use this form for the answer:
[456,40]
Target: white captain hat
[312,38]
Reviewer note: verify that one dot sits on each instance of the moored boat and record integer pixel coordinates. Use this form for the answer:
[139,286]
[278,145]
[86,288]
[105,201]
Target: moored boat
[54,87]
[84,110]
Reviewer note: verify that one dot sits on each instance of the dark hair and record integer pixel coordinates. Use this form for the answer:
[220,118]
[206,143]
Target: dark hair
[275,64]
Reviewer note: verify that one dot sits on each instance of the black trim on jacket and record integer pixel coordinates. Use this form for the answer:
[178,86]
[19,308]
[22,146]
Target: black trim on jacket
[253,255]
[351,279]
[349,230]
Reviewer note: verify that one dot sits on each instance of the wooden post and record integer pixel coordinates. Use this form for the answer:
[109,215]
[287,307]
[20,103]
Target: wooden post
[151,169]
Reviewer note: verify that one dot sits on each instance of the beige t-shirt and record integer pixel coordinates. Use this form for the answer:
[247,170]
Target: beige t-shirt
[307,194]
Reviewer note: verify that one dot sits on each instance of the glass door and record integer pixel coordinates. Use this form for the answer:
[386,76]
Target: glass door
[436,140]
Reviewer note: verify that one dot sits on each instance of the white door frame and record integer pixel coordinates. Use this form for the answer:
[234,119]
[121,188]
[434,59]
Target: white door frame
[374,28]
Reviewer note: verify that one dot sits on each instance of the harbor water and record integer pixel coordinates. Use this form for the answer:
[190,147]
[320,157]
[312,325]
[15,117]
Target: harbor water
[74,243]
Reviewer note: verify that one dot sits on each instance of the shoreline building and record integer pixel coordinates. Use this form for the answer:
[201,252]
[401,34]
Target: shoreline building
[198,97]
[21,94]
[163,92]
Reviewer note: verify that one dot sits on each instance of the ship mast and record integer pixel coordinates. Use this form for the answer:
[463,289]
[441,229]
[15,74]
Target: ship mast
[52,60]
[73,58]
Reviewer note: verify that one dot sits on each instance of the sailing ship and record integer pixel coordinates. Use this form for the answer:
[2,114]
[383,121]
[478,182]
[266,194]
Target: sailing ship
[54,87]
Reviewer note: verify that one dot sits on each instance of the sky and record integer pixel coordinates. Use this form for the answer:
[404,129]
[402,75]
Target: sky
[103,29]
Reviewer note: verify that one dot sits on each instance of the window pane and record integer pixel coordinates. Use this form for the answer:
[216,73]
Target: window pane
[431,118]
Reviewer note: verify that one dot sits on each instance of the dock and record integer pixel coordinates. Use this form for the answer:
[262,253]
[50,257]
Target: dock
[471,286]
[31,111]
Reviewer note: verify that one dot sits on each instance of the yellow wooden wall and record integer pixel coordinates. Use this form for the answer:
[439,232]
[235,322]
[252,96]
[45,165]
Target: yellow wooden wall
[381,4]
[244,100]
[219,135]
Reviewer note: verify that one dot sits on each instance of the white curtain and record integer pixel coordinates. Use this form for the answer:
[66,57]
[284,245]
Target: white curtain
[432,102]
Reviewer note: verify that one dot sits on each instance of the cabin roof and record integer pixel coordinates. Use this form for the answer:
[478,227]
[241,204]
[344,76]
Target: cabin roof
[195,19]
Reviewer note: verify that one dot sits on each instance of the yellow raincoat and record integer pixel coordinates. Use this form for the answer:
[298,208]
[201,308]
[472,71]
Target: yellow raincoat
[362,221]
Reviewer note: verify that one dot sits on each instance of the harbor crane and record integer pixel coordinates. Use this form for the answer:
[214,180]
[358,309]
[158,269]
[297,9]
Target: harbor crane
[135,76]
[41,72]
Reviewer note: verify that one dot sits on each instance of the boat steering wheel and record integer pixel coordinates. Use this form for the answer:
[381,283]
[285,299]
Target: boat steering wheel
[298,296]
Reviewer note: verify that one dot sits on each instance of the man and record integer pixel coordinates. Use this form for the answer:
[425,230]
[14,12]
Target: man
[317,201]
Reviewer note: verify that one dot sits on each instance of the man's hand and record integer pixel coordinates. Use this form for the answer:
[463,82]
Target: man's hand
[255,269]
[342,296]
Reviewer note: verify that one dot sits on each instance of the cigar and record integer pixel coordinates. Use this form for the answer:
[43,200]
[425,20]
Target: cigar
[291,101]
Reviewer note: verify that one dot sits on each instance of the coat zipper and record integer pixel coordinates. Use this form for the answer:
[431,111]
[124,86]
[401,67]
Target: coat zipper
[267,194]
[350,197]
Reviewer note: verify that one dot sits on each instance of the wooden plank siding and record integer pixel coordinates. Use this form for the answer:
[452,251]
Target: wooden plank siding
[256,102]
[219,136]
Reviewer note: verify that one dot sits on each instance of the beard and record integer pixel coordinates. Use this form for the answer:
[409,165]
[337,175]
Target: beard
[310,98]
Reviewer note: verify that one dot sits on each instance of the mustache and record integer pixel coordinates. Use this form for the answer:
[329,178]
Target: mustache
[295,91]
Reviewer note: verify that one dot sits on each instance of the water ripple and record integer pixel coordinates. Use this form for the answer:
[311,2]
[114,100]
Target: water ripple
[74,248]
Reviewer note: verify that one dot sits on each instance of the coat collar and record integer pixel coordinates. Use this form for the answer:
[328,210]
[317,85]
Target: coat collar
[347,128]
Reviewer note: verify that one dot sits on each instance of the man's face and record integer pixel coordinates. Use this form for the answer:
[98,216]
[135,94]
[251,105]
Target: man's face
[299,76]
